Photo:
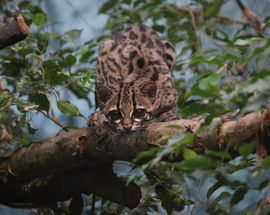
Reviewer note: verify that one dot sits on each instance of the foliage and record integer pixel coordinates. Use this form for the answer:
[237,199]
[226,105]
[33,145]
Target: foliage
[222,66]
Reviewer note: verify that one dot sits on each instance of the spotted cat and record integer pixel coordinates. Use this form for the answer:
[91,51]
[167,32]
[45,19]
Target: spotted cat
[134,83]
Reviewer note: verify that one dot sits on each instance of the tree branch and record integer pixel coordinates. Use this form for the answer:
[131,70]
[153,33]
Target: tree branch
[80,161]
[12,30]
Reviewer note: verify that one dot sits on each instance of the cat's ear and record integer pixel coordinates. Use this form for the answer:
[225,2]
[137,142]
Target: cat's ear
[149,89]
[104,93]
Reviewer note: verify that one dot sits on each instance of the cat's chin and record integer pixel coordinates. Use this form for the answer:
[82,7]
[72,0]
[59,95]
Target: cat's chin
[133,129]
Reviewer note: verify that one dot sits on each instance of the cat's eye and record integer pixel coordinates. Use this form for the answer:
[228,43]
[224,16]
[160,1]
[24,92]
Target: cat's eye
[140,113]
[114,115]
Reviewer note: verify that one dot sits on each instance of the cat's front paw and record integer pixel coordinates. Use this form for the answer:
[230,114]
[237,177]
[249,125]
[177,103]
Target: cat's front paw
[97,121]
[168,116]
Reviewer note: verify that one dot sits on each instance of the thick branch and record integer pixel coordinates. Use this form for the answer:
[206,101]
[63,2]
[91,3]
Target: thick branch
[12,30]
[81,160]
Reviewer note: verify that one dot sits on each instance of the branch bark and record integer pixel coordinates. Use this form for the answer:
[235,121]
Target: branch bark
[12,30]
[80,161]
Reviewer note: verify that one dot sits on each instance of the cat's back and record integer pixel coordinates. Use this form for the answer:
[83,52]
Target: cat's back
[134,54]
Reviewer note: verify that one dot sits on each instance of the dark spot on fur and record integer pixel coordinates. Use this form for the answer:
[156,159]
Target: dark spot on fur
[150,43]
[113,46]
[110,68]
[144,38]
[114,63]
[124,60]
[132,55]
[160,53]
[112,79]
[169,57]
[119,50]
[142,28]
[128,28]
[130,68]
[153,32]
[102,65]
[103,53]
[159,43]
[133,36]
[154,76]
[140,63]
[156,69]
[120,37]
[169,46]
[156,62]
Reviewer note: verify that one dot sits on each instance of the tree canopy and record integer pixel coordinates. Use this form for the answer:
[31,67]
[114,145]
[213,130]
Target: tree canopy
[222,71]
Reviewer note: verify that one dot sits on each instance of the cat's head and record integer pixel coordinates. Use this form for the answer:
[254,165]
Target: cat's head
[128,107]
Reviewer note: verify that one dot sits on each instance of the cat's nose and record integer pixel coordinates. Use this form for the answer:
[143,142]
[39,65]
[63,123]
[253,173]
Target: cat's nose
[127,126]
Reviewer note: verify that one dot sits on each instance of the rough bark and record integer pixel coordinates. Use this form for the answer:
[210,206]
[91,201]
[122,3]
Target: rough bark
[79,161]
[12,30]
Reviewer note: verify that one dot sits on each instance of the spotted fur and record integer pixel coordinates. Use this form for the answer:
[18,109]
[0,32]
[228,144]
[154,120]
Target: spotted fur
[134,73]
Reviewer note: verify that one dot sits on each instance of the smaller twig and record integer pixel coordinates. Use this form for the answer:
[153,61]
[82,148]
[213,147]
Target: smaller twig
[201,13]
[6,136]
[81,17]
[42,70]
[221,68]
[194,24]
[54,120]
[251,17]
[64,87]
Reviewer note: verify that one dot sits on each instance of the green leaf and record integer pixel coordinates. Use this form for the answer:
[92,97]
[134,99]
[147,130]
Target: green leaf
[220,154]
[39,19]
[30,129]
[4,99]
[246,42]
[48,35]
[260,84]
[211,60]
[166,198]
[71,35]
[263,184]
[243,165]
[213,7]
[199,162]
[196,108]
[207,87]
[266,162]
[107,5]
[222,196]
[67,108]
[70,60]
[182,141]
[246,149]
[213,188]
[41,100]
[189,154]
[74,34]
[149,153]
[239,195]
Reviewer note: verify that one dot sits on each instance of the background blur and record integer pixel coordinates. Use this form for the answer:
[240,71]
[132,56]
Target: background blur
[222,66]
